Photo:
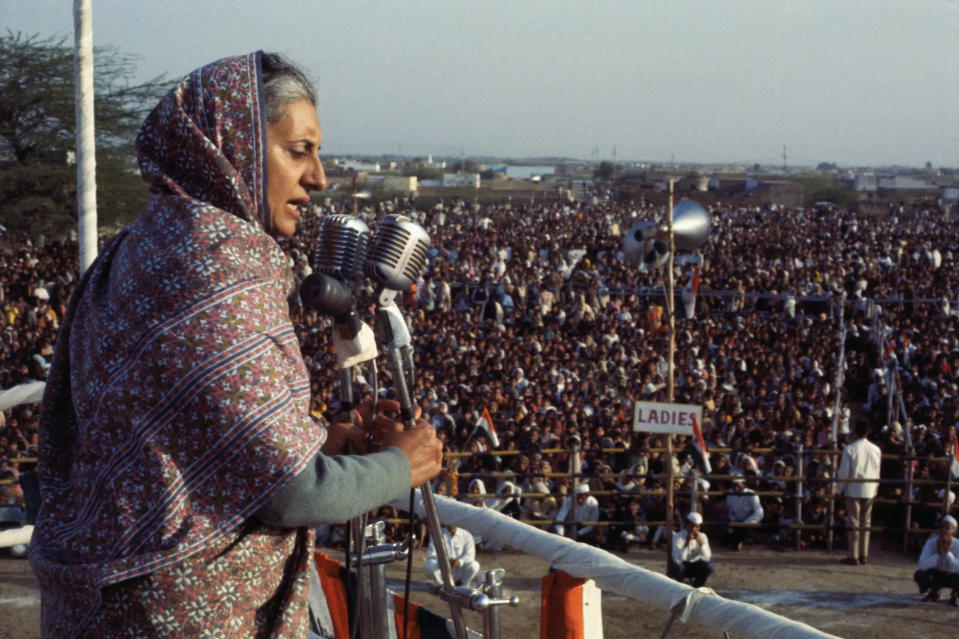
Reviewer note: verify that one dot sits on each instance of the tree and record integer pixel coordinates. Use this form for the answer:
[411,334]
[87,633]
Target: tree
[423,171]
[37,133]
[466,166]
[604,171]
[822,188]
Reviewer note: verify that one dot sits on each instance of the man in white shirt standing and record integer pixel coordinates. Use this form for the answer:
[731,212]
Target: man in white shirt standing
[586,509]
[860,460]
[461,552]
[690,554]
[743,506]
[939,562]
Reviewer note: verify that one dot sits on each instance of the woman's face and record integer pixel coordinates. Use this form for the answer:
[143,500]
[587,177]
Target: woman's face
[293,168]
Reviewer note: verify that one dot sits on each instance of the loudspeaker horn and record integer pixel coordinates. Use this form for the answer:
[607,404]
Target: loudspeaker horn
[690,225]
[690,231]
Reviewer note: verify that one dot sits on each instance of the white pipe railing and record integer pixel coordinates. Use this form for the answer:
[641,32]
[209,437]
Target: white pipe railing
[617,575]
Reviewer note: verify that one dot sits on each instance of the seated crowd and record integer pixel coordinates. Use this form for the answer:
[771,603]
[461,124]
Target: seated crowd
[528,313]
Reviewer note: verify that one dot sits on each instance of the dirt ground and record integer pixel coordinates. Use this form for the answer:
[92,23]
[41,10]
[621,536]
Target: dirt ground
[876,600]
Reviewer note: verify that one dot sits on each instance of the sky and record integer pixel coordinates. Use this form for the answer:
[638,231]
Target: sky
[854,82]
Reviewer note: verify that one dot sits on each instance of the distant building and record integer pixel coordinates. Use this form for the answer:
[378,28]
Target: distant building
[436,165]
[872,183]
[356,165]
[528,172]
[471,180]
[400,184]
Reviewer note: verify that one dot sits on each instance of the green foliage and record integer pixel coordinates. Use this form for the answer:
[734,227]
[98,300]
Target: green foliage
[121,192]
[819,188]
[37,132]
[38,197]
[423,171]
[604,171]
[466,166]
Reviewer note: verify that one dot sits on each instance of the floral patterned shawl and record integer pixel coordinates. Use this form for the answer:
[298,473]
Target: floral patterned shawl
[177,403]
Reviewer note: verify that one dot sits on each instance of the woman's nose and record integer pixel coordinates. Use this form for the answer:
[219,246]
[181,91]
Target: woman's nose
[315,178]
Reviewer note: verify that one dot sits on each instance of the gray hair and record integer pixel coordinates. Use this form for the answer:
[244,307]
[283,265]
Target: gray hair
[283,83]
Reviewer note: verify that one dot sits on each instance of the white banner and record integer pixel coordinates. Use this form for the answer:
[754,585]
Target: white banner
[660,417]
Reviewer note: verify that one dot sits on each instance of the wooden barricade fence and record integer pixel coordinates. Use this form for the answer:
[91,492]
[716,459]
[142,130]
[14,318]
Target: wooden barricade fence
[797,525]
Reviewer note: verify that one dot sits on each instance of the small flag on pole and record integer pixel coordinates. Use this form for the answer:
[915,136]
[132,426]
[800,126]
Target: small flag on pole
[699,444]
[954,465]
[689,294]
[485,424]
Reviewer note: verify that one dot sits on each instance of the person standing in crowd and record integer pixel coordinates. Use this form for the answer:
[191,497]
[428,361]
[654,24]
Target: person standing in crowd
[180,470]
[539,507]
[860,461]
[939,563]
[461,552]
[742,506]
[690,554]
[587,509]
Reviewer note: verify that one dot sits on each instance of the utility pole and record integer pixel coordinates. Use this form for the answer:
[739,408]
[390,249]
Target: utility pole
[85,135]
[784,158]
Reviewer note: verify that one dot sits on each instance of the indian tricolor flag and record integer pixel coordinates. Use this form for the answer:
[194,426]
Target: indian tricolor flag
[485,424]
[689,294]
[700,445]
[954,465]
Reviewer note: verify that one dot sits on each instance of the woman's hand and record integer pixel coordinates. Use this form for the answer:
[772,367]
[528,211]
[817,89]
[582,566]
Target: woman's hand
[421,447]
[339,434]
[420,444]
[343,436]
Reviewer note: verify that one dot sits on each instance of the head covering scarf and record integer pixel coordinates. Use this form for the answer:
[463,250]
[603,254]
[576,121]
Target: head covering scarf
[476,487]
[177,402]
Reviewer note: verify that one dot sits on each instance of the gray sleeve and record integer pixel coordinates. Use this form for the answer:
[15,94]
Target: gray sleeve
[336,489]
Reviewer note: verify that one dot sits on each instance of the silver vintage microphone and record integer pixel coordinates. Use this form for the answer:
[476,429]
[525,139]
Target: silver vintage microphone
[397,253]
[342,247]
[339,258]
[397,256]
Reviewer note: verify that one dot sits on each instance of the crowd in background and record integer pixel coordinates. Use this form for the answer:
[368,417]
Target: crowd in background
[529,313]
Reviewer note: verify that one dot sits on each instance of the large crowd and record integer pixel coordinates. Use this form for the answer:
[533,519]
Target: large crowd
[528,312]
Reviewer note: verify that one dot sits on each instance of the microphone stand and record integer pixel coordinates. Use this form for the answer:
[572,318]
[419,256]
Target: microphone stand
[353,345]
[364,604]
[395,334]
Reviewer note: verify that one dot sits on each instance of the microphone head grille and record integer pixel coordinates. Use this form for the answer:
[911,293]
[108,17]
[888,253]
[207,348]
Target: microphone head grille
[342,247]
[397,252]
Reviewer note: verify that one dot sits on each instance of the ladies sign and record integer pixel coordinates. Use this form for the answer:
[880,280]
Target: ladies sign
[660,417]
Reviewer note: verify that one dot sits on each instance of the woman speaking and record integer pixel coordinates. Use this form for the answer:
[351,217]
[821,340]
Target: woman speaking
[181,472]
